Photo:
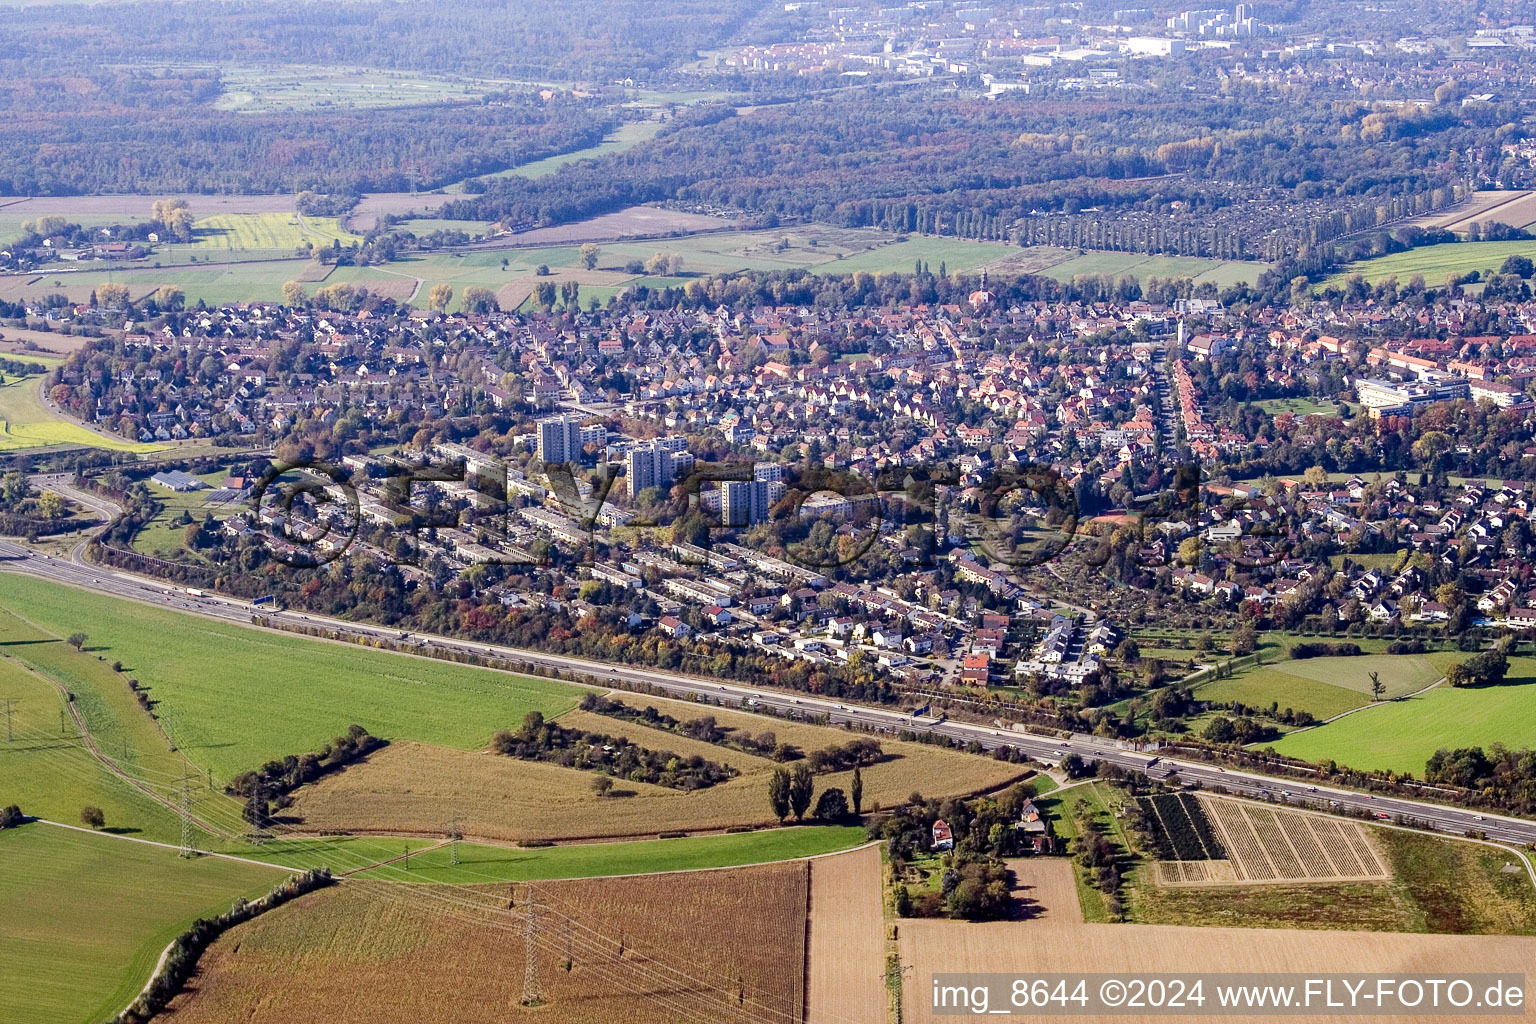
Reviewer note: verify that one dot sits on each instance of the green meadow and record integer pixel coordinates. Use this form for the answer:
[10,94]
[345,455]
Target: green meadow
[236,697]
[83,918]
[479,863]
[1401,735]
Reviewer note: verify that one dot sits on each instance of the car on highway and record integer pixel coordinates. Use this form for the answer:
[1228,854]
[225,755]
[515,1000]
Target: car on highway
[842,707]
[1477,817]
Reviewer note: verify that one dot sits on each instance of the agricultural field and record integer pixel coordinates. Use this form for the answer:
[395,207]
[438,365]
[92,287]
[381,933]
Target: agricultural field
[1055,942]
[1421,884]
[1403,734]
[1182,827]
[240,256]
[277,231]
[47,347]
[48,770]
[1222,273]
[723,946]
[407,785]
[1436,262]
[1248,843]
[1515,208]
[421,226]
[84,917]
[237,697]
[271,89]
[26,423]
[223,282]
[479,862]
[1326,686]
[847,935]
[100,211]
[626,136]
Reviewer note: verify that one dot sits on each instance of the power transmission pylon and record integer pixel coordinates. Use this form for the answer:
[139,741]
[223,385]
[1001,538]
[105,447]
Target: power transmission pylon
[531,996]
[187,844]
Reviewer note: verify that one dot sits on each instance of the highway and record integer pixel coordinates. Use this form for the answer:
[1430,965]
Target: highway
[76,572]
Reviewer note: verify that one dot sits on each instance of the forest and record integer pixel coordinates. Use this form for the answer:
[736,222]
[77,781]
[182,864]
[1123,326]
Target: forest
[558,41]
[1182,173]
[132,131]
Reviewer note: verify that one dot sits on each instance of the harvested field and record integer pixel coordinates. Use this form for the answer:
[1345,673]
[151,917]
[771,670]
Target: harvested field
[723,946]
[1517,209]
[637,220]
[1437,885]
[314,272]
[137,207]
[847,939]
[365,215]
[49,344]
[1195,872]
[1044,891]
[1060,944]
[1268,844]
[405,787]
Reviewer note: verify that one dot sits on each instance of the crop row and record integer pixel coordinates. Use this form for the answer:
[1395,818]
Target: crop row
[1202,824]
[1242,845]
[1166,812]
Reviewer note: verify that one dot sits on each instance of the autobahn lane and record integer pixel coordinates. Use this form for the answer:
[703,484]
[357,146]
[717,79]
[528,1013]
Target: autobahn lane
[1051,749]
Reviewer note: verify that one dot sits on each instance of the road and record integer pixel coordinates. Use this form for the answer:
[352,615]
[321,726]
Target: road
[1050,749]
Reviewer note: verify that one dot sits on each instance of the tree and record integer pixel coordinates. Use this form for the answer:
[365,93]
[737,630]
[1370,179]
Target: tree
[856,790]
[778,793]
[439,296]
[1189,551]
[167,297]
[92,816]
[1074,766]
[480,300]
[1315,477]
[50,506]
[111,295]
[602,785]
[1377,686]
[800,787]
[76,640]
[293,294]
[589,253]
[832,805]
[1244,639]
[11,816]
[174,215]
